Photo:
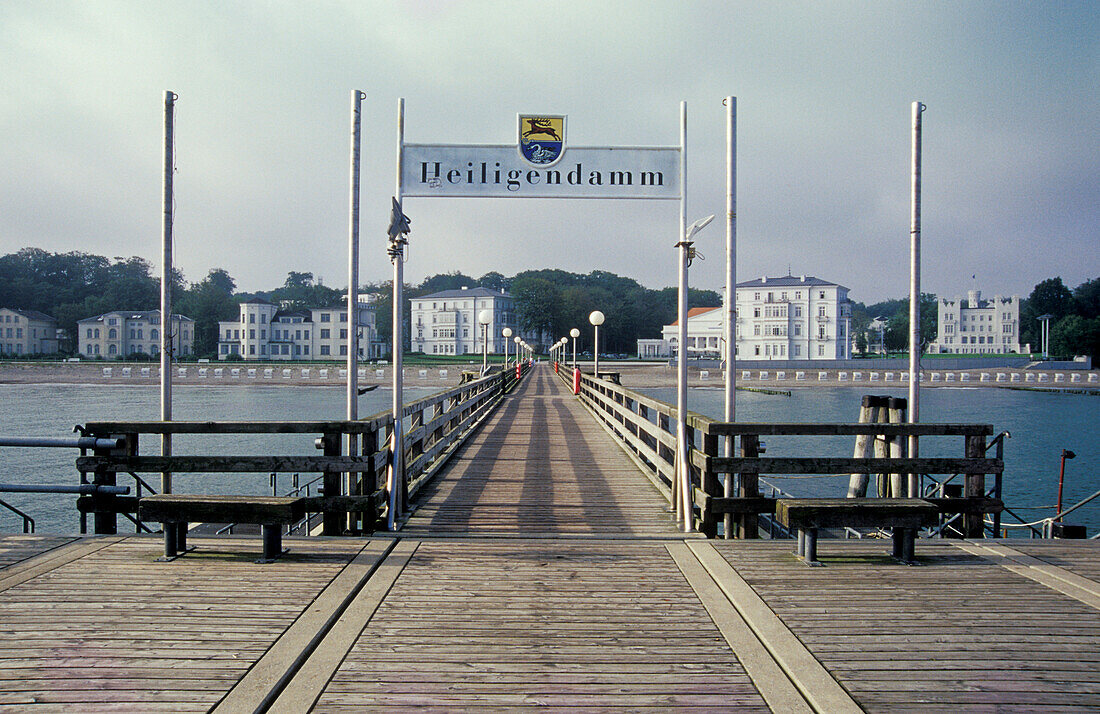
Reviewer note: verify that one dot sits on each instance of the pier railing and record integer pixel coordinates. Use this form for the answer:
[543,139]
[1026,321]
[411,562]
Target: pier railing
[726,459]
[354,459]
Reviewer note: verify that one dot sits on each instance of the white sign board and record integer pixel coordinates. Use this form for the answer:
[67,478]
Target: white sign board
[498,171]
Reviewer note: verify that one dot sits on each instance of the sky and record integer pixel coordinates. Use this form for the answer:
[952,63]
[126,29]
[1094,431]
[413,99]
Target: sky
[1010,163]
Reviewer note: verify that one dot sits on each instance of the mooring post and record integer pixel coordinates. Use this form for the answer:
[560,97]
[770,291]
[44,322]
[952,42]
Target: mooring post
[895,408]
[857,483]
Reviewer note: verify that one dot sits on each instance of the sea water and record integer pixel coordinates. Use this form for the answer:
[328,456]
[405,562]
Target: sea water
[1041,425]
[54,409]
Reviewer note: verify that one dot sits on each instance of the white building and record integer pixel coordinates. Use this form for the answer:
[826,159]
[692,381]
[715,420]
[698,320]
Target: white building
[976,326]
[27,332]
[264,332]
[446,323]
[782,318]
[117,334]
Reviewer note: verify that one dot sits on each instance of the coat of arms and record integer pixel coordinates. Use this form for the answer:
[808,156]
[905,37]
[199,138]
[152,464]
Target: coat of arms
[541,138]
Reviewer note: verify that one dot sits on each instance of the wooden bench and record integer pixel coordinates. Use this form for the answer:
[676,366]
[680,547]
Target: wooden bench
[902,515]
[175,511]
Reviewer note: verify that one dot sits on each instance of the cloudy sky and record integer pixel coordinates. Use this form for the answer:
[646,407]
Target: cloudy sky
[1011,134]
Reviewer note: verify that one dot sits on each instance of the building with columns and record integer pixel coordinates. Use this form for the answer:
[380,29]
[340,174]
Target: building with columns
[778,318]
[266,332]
[446,323]
[115,335]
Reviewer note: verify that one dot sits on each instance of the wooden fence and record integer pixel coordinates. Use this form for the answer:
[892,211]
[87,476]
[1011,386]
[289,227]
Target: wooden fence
[353,463]
[725,480]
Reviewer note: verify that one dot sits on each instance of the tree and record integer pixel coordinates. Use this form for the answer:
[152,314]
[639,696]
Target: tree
[896,335]
[538,305]
[1049,297]
[493,281]
[208,302]
[445,281]
[1086,299]
[1074,335]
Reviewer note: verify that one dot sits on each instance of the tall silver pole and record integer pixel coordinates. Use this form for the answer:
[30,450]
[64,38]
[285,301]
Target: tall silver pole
[914,294]
[350,485]
[353,264]
[731,292]
[683,467]
[166,283]
[397,456]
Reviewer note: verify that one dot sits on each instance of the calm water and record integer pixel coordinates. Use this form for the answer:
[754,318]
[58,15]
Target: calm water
[1041,425]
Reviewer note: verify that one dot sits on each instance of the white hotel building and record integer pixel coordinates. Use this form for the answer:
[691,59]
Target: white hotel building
[976,326]
[782,318]
[117,334]
[264,332]
[27,332]
[446,323]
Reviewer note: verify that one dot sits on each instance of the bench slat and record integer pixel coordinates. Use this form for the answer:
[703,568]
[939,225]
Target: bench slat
[807,513]
[221,509]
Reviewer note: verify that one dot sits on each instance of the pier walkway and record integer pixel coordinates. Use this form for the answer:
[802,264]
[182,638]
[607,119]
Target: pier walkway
[538,572]
[540,465]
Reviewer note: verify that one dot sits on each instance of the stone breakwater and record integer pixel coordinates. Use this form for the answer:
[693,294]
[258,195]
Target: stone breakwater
[633,375]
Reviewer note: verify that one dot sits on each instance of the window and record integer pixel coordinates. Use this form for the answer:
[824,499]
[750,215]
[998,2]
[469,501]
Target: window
[252,318]
[756,296]
[821,311]
[252,334]
[252,349]
[821,294]
[756,312]
[263,334]
[343,334]
[263,318]
[326,317]
[343,317]
[325,335]
[155,335]
[324,349]
[821,350]
[344,350]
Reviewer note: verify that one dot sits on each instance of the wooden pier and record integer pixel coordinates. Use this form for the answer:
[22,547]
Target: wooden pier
[541,569]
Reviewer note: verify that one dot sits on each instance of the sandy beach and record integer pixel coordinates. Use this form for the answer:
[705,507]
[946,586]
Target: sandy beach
[632,374]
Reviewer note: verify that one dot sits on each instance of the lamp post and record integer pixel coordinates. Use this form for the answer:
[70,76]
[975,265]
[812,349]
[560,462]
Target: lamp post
[596,318]
[574,333]
[484,317]
[1066,454]
[517,340]
[683,471]
[1045,332]
[507,332]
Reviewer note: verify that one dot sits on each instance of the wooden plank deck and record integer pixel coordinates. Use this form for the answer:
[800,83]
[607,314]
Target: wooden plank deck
[541,465]
[542,570]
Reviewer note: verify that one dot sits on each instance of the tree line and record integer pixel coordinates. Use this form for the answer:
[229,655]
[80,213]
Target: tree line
[75,285]
[1074,319]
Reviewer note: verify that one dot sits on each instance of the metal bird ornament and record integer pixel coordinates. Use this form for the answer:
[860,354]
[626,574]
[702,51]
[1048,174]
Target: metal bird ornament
[399,222]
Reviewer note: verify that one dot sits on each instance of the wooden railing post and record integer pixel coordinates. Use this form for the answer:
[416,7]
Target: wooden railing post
[332,522]
[974,523]
[748,486]
[711,487]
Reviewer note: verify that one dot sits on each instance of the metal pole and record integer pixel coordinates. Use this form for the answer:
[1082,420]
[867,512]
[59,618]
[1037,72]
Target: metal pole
[731,294]
[484,349]
[914,284]
[397,455]
[353,296]
[166,283]
[683,468]
[595,352]
[353,264]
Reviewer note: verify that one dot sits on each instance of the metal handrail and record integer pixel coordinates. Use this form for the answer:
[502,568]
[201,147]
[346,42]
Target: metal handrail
[28,522]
